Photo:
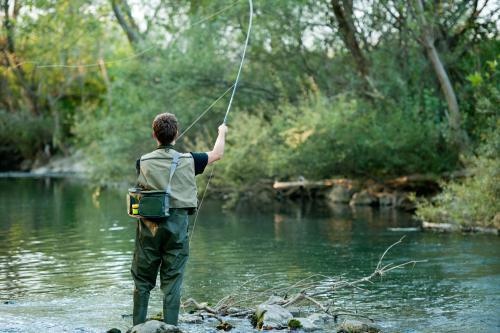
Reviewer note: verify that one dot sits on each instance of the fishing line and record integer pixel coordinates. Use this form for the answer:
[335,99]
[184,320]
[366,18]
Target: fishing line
[201,203]
[134,55]
[250,3]
[204,112]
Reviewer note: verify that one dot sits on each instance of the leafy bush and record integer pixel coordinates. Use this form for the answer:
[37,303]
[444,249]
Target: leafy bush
[475,200]
[22,133]
[338,136]
[322,138]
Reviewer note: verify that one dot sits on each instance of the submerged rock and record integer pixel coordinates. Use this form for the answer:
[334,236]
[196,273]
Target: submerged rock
[357,326]
[404,202]
[271,316]
[363,198]
[224,326]
[319,318]
[340,194]
[305,324]
[190,319]
[273,299]
[386,199]
[154,326]
[114,330]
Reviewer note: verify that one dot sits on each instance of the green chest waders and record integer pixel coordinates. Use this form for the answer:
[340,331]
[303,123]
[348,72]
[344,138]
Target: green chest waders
[165,249]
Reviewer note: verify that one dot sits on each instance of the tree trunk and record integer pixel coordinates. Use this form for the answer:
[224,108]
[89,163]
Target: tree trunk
[343,12]
[9,49]
[459,136]
[348,34]
[8,26]
[123,14]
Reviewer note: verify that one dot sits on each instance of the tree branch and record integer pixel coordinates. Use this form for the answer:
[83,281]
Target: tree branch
[126,21]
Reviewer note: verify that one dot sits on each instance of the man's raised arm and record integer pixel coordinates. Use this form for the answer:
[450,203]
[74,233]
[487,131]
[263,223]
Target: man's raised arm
[218,150]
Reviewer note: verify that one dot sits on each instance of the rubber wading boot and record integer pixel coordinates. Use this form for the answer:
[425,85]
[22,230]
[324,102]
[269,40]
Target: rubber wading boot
[171,315]
[140,307]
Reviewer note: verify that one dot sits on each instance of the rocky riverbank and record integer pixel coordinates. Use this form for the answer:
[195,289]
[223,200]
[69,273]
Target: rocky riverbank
[72,165]
[395,192]
[267,317]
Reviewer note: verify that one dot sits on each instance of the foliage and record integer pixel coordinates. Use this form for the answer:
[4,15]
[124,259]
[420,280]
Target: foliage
[316,99]
[328,137]
[21,133]
[474,201]
[324,137]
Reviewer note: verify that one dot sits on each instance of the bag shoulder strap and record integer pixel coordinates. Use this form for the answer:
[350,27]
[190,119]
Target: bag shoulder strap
[175,162]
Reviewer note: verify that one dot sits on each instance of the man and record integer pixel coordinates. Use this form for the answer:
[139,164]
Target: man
[163,244]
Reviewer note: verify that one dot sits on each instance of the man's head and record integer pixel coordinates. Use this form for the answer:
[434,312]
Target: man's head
[165,128]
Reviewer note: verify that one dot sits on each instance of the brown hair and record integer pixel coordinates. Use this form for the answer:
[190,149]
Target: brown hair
[165,128]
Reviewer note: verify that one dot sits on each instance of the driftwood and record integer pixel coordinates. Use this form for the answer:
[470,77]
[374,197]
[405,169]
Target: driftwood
[304,183]
[307,186]
[413,182]
[451,227]
[422,184]
[317,290]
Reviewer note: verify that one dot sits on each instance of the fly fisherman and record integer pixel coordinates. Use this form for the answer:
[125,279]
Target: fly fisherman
[162,243]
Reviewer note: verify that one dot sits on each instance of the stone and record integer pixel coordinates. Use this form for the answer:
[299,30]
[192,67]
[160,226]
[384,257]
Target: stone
[154,326]
[319,318]
[271,316]
[273,299]
[295,311]
[306,325]
[114,330]
[340,194]
[224,326]
[190,319]
[404,202]
[357,326]
[386,199]
[363,198]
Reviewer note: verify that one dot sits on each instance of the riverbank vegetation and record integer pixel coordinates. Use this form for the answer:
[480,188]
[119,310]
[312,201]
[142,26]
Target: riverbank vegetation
[329,88]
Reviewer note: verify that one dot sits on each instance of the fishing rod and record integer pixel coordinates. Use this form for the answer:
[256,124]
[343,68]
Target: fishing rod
[250,3]
[235,85]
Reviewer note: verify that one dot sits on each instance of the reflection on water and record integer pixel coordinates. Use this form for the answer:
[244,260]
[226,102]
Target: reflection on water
[65,257]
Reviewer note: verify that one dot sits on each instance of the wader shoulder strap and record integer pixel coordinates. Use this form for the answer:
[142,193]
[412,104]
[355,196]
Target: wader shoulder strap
[175,162]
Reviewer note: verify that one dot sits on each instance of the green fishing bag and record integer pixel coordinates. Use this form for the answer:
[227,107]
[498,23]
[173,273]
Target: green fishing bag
[151,204]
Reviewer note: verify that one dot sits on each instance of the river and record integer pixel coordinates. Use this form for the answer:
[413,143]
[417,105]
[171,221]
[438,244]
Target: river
[65,255]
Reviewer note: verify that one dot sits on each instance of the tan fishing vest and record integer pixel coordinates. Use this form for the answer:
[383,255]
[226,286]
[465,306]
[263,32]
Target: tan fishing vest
[154,174]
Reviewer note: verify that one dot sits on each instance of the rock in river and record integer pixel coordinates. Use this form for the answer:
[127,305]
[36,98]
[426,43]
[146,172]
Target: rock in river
[306,324]
[154,326]
[340,194]
[190,319]
[319,318]
[271,316]
[357,326]
[363,198]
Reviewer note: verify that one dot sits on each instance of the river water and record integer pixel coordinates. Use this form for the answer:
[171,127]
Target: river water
[65,255]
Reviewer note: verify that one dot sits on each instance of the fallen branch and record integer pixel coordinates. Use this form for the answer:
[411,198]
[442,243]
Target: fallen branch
[318,290]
